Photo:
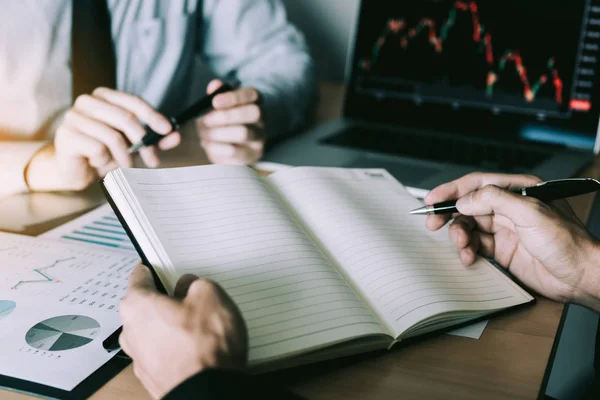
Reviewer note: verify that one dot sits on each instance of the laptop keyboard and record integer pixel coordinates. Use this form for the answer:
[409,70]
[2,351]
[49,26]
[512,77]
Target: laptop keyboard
[453,150]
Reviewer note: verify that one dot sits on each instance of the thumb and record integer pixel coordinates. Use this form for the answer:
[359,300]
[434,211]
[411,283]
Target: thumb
[213,85]
[141,279]
[491,199]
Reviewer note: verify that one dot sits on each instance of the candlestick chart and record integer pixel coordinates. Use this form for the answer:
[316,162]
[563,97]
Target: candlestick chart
[497,51]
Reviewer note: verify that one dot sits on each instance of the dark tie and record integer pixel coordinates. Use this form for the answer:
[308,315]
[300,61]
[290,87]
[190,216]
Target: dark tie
[93,61]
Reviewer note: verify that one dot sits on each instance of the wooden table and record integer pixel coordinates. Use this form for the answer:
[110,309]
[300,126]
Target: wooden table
[508,362]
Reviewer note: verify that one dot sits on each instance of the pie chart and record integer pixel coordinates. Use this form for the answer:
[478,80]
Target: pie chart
[65,332]
[6,307]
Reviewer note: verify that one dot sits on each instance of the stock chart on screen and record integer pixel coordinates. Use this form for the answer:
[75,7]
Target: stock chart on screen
[529,57]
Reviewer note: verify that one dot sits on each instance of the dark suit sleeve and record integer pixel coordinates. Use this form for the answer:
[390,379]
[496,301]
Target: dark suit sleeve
[215,384]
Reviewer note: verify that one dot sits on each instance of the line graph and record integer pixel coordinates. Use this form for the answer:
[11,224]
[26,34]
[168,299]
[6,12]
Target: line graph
[401,34]
[43,276]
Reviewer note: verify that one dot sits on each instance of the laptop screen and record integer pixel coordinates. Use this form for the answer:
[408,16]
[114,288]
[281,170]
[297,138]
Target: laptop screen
[507,69]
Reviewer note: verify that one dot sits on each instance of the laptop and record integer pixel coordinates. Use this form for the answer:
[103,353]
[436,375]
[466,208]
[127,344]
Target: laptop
[441,88]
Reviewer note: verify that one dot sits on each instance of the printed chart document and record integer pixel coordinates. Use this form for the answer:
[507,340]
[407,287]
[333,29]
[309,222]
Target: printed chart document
[322,262]
[99,227]
[58,302]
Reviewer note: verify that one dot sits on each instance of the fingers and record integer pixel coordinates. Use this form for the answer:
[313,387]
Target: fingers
[110,115]
[235,98]
[183,285]
[468,255]
[141,111]
[79,147]
[460,231]
[469,241]
[521,210]
[170,141]
[243,115]
[121,113]
[225,153]
[487,245]
[436,222]
[469,183]
[141,280]
[480,244]
[238,134]
[213,85]
[234,132]
[477,180]
[138,107]
[102,134]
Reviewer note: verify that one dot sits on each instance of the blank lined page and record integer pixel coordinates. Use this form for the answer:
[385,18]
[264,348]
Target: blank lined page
[407,273]
[225,224]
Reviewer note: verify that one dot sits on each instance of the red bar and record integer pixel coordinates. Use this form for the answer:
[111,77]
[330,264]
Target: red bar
[580,105]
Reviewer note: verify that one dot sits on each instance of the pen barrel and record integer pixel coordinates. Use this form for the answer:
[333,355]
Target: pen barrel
[561,190]
[445,207]
[194,111]
[203,105]
[151,137]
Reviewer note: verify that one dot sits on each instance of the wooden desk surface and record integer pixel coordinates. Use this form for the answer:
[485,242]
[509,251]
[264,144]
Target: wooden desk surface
[508,362]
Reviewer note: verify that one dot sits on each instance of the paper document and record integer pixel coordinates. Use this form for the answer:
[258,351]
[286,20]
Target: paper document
[99,228]
[473,331]
[58,302]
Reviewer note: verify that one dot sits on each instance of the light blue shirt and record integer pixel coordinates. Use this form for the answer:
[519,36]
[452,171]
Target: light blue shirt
[156,41]
[156,44]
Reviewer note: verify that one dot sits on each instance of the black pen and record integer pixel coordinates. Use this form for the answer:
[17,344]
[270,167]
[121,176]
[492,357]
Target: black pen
[195,110]
[111,343]
[545,191]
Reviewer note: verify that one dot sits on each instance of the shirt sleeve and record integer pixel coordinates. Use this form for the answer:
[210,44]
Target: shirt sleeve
[14,157]
[215,384]
[253,41]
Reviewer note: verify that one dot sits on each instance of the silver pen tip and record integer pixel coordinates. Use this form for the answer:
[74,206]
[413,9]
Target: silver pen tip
[421,211]
[135,148]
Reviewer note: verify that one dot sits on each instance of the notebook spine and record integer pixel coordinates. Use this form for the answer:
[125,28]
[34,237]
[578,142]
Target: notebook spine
[135,243]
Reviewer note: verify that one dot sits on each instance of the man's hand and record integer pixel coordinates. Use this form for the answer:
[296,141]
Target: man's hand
[234,132]
[170,340]
[543,245]
[94,137]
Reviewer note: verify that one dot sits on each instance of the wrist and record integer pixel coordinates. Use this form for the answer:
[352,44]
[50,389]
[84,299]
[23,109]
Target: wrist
[34,171]
[42,173]
[588,291]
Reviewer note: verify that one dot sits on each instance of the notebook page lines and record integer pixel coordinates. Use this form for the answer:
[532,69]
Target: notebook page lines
[404,270]
[249,243]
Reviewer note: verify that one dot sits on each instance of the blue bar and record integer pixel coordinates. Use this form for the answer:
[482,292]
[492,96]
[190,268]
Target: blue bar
[107,224]
[91,241]
[99,236]
[105,230]
[110,218]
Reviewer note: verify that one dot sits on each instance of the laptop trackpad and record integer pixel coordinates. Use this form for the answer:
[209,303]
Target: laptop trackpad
[408,175]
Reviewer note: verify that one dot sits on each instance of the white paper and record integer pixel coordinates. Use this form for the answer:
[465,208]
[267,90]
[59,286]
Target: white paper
[58,302]
[99,228]
[473,331]
[268,166]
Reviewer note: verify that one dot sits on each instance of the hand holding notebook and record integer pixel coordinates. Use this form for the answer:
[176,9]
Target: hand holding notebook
[321,262]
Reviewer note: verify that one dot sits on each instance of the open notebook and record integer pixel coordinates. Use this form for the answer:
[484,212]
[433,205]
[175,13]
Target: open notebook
[322,262]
